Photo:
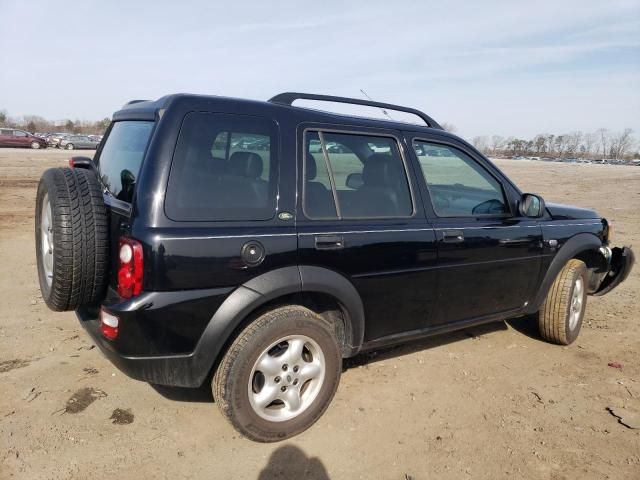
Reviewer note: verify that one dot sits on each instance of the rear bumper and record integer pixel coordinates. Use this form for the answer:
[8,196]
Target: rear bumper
[620,265]
[175,370]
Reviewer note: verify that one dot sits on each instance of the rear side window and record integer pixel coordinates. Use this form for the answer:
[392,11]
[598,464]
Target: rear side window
[224,169]
[350,176]
[121,157]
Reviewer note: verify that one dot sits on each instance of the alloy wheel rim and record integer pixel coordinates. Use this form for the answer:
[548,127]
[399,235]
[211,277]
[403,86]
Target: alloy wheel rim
[46,238]
[577,299]
[286,378]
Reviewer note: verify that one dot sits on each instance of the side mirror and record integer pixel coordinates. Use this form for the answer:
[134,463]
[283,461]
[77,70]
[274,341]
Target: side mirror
[531,205]
[354,181]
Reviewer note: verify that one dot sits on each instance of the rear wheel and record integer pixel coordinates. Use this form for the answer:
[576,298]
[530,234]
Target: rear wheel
[560,317]
[71,238]
[279,375]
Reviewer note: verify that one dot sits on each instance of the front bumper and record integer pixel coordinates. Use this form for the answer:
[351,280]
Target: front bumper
[620,265]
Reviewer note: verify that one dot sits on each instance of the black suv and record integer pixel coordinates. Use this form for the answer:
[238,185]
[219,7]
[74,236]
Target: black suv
[257,244]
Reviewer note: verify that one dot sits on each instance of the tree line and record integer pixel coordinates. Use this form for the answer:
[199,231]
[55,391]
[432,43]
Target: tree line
[595,145]
[36,123]
[601,144]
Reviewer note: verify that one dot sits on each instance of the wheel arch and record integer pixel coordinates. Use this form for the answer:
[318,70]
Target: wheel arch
[324,291]
[582,246]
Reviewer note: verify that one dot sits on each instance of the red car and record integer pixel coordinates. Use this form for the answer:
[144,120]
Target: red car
[11,137]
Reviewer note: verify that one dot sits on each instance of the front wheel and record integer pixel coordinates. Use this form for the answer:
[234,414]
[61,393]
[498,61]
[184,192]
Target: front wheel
[69,146]
[35,145]
[279,375]
[560,317]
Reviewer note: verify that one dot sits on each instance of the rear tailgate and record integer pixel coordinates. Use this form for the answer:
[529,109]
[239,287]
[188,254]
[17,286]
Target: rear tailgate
[118,163]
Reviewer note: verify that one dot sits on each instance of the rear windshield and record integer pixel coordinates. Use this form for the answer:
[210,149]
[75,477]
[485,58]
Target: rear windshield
[121,157]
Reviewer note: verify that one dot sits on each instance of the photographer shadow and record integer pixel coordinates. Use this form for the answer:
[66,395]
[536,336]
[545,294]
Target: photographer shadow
[290,462]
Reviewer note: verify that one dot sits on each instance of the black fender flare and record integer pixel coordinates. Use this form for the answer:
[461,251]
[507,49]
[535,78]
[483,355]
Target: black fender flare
[266,287]
[575,245]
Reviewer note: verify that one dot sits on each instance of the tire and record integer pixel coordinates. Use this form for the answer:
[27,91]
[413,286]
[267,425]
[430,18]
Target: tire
[560,317]
[239,379]
[35,145]
[69,146]
[71,232]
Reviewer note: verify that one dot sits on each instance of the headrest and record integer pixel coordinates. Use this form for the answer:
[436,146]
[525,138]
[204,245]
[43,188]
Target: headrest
[311,168]
[245,164]
[380,170]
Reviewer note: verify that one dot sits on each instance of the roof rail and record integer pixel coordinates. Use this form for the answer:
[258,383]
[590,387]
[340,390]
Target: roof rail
[288,98]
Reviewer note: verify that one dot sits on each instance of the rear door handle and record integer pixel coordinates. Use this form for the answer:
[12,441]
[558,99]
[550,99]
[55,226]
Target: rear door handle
[453,236]
[329,242]
[514,241]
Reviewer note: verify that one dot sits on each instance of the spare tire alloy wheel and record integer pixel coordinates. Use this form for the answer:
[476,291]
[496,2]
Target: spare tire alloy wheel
[71,238]
[46,237]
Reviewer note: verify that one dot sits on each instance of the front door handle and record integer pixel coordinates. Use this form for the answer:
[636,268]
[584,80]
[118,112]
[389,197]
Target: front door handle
[329,242]
[453,236]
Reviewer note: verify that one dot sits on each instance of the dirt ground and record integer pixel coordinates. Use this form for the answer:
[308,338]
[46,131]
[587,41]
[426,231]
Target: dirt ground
[491,402]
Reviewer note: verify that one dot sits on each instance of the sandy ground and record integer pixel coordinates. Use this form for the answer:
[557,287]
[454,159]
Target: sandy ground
[490,402]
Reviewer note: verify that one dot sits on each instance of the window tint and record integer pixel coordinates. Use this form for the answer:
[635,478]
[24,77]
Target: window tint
[223,169]
[458,185]
[121,157]
[354,176]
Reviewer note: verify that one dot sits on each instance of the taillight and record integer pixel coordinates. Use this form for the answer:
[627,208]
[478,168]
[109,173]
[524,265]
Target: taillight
[109,324]
[130,269]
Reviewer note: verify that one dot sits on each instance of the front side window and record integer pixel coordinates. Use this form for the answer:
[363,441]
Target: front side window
[350,176]
[458,185]
[223,169]
[19,133]
[120,159]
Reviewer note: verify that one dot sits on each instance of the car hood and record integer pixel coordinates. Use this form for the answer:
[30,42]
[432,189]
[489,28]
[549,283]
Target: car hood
[569,212]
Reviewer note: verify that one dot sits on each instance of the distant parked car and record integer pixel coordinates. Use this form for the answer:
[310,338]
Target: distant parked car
[53,140]
[78,141]
[11,137]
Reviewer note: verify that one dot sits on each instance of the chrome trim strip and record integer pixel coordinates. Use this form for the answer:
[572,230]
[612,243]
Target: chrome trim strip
[231,236]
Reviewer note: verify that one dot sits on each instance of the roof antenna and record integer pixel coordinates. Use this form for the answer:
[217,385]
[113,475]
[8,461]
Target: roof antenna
[371,99]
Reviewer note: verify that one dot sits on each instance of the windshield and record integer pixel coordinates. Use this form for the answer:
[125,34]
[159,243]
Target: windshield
[121,157]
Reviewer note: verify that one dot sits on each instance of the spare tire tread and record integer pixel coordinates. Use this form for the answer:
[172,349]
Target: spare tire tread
[80,236]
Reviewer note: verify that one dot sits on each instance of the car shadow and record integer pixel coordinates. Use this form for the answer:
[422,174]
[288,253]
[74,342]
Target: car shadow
[290,462]
[525,325]
[202,394]
[408,348]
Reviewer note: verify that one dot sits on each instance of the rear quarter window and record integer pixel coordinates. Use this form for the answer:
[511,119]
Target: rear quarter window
[224,168]
[121,156]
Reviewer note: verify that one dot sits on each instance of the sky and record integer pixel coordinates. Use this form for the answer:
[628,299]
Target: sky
[488,67]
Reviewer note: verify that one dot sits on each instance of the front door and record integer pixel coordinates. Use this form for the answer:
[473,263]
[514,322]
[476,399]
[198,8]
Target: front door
[488,255]
[361,216]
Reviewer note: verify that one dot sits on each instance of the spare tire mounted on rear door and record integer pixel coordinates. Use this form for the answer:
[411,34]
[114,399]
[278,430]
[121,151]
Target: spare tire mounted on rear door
[72,238]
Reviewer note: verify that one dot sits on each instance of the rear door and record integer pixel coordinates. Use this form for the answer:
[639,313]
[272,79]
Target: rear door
[6,137]
[360,214]
[488,256]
